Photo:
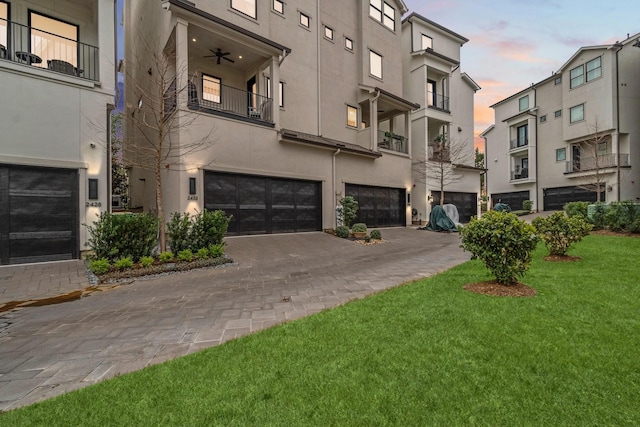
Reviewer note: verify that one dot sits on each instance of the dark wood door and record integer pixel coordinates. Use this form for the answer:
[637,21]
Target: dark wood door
[379,206]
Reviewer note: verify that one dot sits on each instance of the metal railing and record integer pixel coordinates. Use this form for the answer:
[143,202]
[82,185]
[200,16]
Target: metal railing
[593,163]
[42,49]
[517,143]
[394,142]
[520,174]
[438,153]
[230,100]
[435,100]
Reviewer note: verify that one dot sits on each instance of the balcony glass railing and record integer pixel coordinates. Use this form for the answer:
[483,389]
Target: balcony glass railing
[592,163]
[517,143]
[437,101]
[42,49]
[392,141]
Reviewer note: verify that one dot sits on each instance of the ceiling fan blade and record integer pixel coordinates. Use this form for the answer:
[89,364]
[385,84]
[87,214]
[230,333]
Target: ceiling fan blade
[218,61]
[230,60]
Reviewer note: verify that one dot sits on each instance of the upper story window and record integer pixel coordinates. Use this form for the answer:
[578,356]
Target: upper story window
[54,42]
[561,154]
[328,33]
[523,103]
[348,43]
[352,116]
[382,12]
[4,17]
[592,69]
[281,94]
[558,113]
[211,88]
[557,80]
[426,42]
[248,7]
[523,135]
[375,64]
[278,6]
[602,148]
[576,113]
[543,118]
[304,20]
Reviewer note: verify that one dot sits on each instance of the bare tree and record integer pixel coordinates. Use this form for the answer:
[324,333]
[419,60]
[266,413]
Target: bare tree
[596,159]
[438,165]
[159,138]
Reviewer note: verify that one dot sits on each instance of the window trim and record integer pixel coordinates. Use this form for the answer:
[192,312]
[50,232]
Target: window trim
[347,39]
[557,81]
[273,6]
[355,109]
[422,36]
[372,52]
[564,154]
[8,32]
[202,79]
[543,119]
[526,135]
[571,121]
[587,71]
[330,30]
[307,17]
[584,72]
[281,94]
[382,12]
[557,113]
[255,9]
[520,100]
[31,12]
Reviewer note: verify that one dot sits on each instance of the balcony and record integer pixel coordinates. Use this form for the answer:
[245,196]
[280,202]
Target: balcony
[518,143]
[439,102]
[603,161]
[225,101]
[520,174]
[393,142]
[437,153]
[41,49]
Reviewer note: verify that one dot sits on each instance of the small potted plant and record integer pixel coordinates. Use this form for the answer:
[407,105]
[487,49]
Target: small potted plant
[359,230]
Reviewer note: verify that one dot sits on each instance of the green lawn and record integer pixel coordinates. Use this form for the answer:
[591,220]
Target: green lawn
[424,354]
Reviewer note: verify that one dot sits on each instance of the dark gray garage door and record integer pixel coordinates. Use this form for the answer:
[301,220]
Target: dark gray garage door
[555,198]
[514,200]
[466,203]
[38,214]
[379,206]
[262,205]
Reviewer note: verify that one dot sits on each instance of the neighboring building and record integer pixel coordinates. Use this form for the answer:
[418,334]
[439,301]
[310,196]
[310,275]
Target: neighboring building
[553,141]
[432,78]
[305,102]
[57,79]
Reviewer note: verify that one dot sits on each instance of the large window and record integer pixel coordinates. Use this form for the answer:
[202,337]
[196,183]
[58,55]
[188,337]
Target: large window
[382,12]
[431,94]
[352,116]
[523,137]
[375,64]
[592,70]
[248,7]
[426,42]
[4,17]
[211,88]
[54,42]
[576,113]
[561,154]
[523,102]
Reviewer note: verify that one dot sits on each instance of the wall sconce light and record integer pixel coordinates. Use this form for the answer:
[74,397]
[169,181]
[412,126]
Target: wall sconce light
[459,129]
[93,188]
[609,188]
[408,199]
[192,186]
[430,198]
[92,145]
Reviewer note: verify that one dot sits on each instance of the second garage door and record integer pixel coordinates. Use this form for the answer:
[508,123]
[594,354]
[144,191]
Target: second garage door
[379,206]
[261,205]
[466,203]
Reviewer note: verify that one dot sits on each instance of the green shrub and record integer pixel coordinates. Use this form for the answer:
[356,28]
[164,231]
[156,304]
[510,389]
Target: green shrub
[123,263]
[597,217]
[203,253]
[198,231]
[99,266]
[635,226]
[576,209]
[348,210]
[179,231]
[216,250]
[367,238]
[146,261]
[123,235]
[185,255]
[527,205]
[166,256]
[502,242]
[621,215]
[558,232]
[359,227]
[342,231]
[376,234]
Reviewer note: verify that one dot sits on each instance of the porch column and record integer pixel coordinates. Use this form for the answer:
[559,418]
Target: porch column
[373,119]
[274,81]
[182,61]
[407,129]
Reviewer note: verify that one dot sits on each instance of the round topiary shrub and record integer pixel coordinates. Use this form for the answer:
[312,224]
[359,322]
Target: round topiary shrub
[342,231]
[376,235]
[502,242]
[359,227]
[558,232]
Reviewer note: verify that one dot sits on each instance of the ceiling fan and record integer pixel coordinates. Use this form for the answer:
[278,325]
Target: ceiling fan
[218,53]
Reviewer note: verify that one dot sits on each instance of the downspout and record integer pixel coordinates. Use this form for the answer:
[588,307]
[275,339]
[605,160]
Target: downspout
[319,75]
[535,95]
[618,46]
[371,110]
[110,108]
[333,183]
[283,57]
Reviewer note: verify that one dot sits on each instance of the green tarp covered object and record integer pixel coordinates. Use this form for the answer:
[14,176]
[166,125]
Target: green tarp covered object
[439,221]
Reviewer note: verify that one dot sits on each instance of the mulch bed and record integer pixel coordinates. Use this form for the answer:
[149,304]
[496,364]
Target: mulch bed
[494,288]
[562,258]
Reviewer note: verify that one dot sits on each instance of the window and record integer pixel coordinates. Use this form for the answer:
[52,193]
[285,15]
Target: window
[524,102]
[382,12]
[375,64]
[602,148]
[278,6]
[577,76]
[348,43]
[328,33]
[561,154]
[426,42]
[304,20]
[543,118]
[281,94]
[211,88]
[594,69]
[431,94]
[352,116]
[52,39]
[248,7]
[4,17]
[558,113]
[557,81]
[523,135]
[576,114]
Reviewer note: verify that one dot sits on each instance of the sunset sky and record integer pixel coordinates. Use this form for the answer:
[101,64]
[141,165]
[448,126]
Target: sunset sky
[513,43]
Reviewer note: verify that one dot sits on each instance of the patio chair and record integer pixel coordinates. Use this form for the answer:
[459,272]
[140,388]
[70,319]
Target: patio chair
[61,67]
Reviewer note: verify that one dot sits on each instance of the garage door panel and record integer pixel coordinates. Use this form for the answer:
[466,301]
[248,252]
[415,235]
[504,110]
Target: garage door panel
[378,206]
[465,203]
[35,223]
[556,198]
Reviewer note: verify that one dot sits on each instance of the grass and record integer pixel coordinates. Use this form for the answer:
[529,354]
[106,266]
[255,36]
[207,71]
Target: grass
[428,353]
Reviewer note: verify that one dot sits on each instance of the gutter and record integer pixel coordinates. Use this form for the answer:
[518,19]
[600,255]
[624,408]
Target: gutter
[334,194]
[618,46]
